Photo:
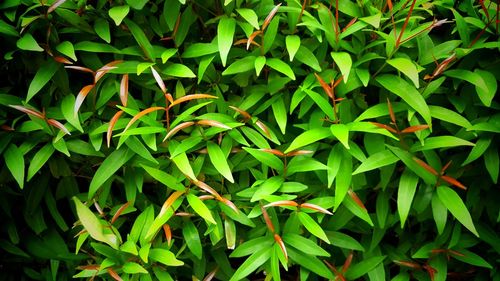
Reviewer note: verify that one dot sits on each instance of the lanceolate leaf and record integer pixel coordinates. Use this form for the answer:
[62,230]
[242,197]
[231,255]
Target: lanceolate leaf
[42,77]
[15,163]
[344,63]
[39,160]
[200,208]
[219,160]
[456,206]
[407,67]
[312,226]
[308,137]
[225,34]
[141,38]
[406,191]
[253,262]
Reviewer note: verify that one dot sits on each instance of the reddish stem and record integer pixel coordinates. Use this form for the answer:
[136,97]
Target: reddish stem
[398,41]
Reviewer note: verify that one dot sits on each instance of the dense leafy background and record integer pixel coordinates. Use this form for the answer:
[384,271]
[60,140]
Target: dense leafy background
[289,140]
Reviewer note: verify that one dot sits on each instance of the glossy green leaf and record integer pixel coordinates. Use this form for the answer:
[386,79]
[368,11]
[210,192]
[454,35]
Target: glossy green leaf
[304,245]
[182,162]
[344,62]
[305,56]
[357,210]
[268,187]
[279,110]
[165,257]
[448,115]
[266,158]
[14,160]
[312,226]
[118,13]
[219,161]
[67,49]
[407,67]
[101,27]
[375,161]
[280,66]
[252,263]
[192,238]
[341,132]
[439,213]
[484,82]
[345,241]
[242,65]
[250,16]
[39,160]
[163,177]
[410,162]
[28,43]
[200,208]
[406,191]
[141,38]
[456,206]
[42,77]
[133,268]
[311,263]
[292,45]
[179,70]
[441,142]
[225,35]
[366,265]
[308,137]
[492,162]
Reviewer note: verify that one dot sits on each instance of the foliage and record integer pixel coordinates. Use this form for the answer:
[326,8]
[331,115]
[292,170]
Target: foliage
[235,139]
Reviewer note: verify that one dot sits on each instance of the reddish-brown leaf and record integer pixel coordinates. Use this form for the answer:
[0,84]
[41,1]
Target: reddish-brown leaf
[454,182]
[191,97]
[119,212]
[29,111]
[244,41]
[456,253]
[124,90]
[383,126]
[213,123]
[445,167]
[170,200]
[112,123]
[425,166]
[168,233]
[159,80]
[299,152]
[58,125]
[113,274]
[278,240]
[252,37]
[105,69]
[325,86]
[349,24]
[356,199]
[141,114]
[268,221]
[89,267]
[79,68]
[273,151]
[230,204]
[338,275]
[7,128]
[270,17]
[409,264]
[177,128]
[347,262]
[287,203]
[389,3]
[62,60]
[209,190]
[315,208]
[211,275]
[243,113]
[55,5]
[81,97]
[391,111]
[413,129]
[430,270]
[263,127]
[206,197]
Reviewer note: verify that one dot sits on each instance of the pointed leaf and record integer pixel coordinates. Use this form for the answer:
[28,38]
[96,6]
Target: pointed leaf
[308,137]
[344,62]
[312,226]
[407,67]
[406,191]
[43,75]
[456,206]
[219,160]
[280,66]
[14,160]
[225,35]
[118,13]
[292,45]
[200,208]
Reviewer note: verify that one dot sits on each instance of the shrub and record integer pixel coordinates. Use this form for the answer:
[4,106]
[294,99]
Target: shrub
[235,139]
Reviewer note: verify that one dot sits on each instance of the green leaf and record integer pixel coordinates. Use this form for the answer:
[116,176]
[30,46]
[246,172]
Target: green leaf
[136,146]
[192,238]
[259,64]
[462,28]
[305,56]
[484,82]
[491,160]
[42,77]
[167,54]
[292,45]
[7,29]
[344,62]
[449,116]
[344,178]
[280,66]
[164,178]
[377,160]
[67,109]
[179,70]
[67,49]
[250,16]
[363,267]
[252,263]
[357,210]
[133,268]
[39,159]
[219,160]
[345,241]
[304,245]
[341,132]
[225,35]
[406,191]
[372,20]
[439,213]
[252,246]
[407,92]
[268,187]
[15,163]
[409,161]
[118,13]
[456,206]
[266,158]
[101,27]
[28,43]
[165,257]
[308,137]
[440,142]
[304,164]
[200,208]
[182,162]
[311,263]
[472,258]
[279,110]
[242,65]
[108,168]
[141,39]
[407,67]
[200,49]
[312,226]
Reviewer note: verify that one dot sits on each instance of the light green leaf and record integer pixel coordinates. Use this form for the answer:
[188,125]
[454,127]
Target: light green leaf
[407,67]
[225,35]
[165,257]
[251,264]
[15,163]
[250,16]
[312,226]
[200,208]
[280,115]
[67,49]
[449,116]
[366,265]
[484,82]
[491,160]
[167,54]
[179,70]
[67,107]
[372,20]
[472,258]
[292,45]
[439,213]
[304,245]
[406,191]
[7,29]
[343,178]
[141,39]
[308,137]
[242,65]
[305,56]
[345,241]
[192,238]
[259,64]
[200,49]
[408,93]
[357,210]
[344,62]
[456,206]
[440,142]
[311,263]
[39,160]
[43,75]
[118,13]
[219,160]
[268,187]
[280,66]
[266,158]
[28,43]
[409,160]
[101,27]
[182,162]
[108,168]
[164,178]
[341,132]
[133,268]
[377,160]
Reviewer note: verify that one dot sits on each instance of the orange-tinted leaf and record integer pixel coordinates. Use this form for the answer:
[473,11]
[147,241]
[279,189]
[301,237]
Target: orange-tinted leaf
[347,262]
[338,275]
[316,208]
[168,233]
[389,3]
[273,151]
[62,60]
[270,17]
[79,68]
[263,127]
[206,197]
[268,221]
[81,97]
[349,24]
[456,253]
[124,90]
[177,128]
[299,152]
[252,37]
[383,126]
[415,128]
[243,113]
[191,97]
[432,271]
[213,123]
[208,189]
[119,212]
[7,128]
[169,98]
[55,5]
[184,214]
[113,274]
[325,86]
[445,167]
[337,82]
[453,181]
[425,166]
[29,111]
[142,113]
[159,81]
[89,267]
[112,123]
[391,111]
[170,200]
[230,204]
[356,199]
[409,264]
[211,275]
[244,41]
[278,240]
[58,125]
[287,203]
[105,69]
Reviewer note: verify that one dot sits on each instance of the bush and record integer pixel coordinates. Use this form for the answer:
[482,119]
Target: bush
[235,139]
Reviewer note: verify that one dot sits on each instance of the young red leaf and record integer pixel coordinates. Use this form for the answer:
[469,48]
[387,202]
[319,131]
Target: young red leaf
[273,151]
[141,114]
[62,60]
[413,129]
[270,17]
[383,126]
[287,203]
[230,204]
[356,199]
[316,208]
[211,274]
[445,167]
[112,123]
[325,86]
[58,125]
[113,274]
[252,37]
[425,166]
[347,262]
[391,111]
[124,90]
[263,127]
[208,189]
[244,41]
[349,24]
[177,128]
[191,97]
[81,97]
[28,111]
[454,182]
[105,69]
[299,152]
[408,264]
[168,233]
[278,240]
[213,123]
[170,200]
[243,113]
[80,68]
[55,5]
[268,221]
[119,212]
